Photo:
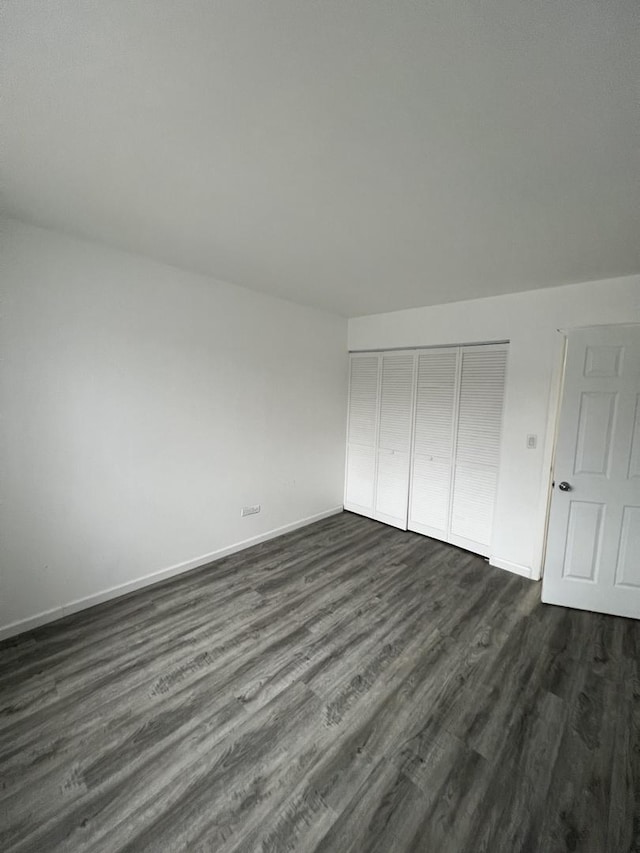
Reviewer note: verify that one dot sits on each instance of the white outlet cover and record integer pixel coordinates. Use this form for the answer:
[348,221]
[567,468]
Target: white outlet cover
[249,510]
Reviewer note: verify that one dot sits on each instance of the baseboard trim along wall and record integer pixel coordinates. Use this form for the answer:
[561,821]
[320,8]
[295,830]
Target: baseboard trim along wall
[31,622]
[516,568]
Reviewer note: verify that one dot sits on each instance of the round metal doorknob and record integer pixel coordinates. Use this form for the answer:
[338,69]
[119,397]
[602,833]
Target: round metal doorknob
[564,486]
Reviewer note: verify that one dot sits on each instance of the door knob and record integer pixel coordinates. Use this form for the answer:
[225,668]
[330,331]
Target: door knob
[564,486]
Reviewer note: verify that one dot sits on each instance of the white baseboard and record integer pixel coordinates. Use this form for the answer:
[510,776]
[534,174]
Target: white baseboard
[31,622]
[516,568]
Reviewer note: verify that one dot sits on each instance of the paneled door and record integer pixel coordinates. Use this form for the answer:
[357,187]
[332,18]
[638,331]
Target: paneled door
[593,543]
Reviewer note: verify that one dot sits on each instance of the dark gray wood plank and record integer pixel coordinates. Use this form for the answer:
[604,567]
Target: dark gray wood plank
[346,687]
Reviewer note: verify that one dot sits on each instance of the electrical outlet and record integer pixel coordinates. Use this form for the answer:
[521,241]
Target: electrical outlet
[532,442]
[249,510]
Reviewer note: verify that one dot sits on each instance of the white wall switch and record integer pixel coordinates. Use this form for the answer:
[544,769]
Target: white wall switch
[532,442]
[249,510]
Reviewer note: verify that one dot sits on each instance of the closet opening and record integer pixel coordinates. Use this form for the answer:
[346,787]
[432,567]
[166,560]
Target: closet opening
[424,438]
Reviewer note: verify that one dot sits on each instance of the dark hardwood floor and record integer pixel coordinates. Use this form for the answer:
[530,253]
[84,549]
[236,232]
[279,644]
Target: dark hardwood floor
[347,687]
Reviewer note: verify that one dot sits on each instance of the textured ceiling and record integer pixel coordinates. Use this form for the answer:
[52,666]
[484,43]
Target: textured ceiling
[359,156]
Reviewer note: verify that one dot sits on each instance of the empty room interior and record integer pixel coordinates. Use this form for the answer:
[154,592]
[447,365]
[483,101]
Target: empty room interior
[320,426]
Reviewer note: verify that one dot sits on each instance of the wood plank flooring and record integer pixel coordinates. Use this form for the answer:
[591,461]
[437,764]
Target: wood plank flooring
[345,688]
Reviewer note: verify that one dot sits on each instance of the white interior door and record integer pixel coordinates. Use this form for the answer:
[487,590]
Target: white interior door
[477,446]
[433,442]
[423,440]
[593,543]
[394,438]
[362,433]
[456,446]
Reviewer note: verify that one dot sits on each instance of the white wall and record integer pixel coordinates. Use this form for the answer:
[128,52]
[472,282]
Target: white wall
[530,322]
[142,406]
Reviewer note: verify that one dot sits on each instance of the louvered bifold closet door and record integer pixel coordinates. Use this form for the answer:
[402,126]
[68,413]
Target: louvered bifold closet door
[477,450]
[433,442]
[362,433]
[394,438]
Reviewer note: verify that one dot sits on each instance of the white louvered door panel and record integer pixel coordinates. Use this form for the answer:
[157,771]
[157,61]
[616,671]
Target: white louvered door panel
[477,449]
[362,433]
[433,443]
[394,438]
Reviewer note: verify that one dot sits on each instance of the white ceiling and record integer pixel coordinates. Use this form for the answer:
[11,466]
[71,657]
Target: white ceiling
[357,155]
